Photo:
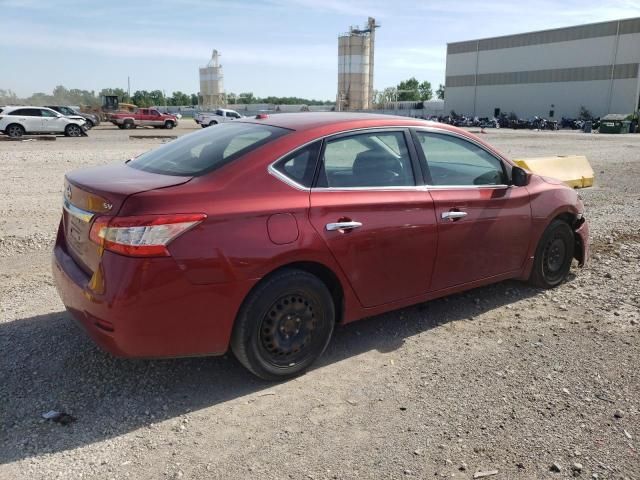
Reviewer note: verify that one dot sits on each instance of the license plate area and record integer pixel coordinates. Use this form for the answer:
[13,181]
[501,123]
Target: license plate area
[76,228]
[77,224]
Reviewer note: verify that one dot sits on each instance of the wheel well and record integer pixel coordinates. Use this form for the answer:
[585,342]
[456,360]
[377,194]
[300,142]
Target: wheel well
[15,123]
[327,277]
[571,220]
[566,217]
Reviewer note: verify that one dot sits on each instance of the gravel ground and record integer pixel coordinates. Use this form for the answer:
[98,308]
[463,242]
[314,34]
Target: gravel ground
[506,379]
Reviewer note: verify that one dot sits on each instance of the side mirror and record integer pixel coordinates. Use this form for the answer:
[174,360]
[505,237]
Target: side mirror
[519,177]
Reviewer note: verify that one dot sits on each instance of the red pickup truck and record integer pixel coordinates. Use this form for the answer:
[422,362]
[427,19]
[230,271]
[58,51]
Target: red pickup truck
[143,117]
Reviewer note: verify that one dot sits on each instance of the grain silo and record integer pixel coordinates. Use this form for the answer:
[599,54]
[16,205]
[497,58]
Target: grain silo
[211,85]
[355,67]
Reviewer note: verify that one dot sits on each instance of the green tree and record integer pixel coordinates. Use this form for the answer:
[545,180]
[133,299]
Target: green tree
[156,98]
[440,92]
[246,98]
[426,92]
[408,90]
[194,99]
[141,98]
[387,95]
[8,97]
[39,98]
[60,95]
[180,99]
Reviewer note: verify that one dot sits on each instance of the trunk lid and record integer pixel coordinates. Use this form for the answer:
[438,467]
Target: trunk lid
[100,191]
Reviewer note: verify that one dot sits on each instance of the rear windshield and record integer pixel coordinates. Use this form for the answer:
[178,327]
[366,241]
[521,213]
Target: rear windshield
[204,151]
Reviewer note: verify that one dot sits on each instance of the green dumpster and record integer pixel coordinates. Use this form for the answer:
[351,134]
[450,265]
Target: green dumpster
[614,123]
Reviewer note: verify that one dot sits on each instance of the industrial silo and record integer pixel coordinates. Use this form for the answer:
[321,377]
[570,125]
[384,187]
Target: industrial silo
[355,67]
[211,85]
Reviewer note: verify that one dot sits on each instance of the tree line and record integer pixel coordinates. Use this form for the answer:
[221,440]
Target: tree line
[142,98]
[407,90]
[410,90]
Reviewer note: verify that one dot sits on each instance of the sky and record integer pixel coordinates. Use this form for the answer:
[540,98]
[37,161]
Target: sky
[269,47]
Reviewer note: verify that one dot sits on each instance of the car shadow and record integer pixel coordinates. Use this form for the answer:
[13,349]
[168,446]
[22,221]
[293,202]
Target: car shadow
[48,363]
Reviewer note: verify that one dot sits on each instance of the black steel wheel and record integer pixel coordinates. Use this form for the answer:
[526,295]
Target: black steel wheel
[73,130]
[168,125]
[128,125]
[553,255]
[288,329]
[284,325]
[14,130]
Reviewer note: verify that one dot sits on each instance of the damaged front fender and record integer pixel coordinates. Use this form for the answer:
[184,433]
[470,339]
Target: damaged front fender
[581,250]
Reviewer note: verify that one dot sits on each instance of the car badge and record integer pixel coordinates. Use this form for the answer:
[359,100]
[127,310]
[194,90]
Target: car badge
[107,206]
[67,192]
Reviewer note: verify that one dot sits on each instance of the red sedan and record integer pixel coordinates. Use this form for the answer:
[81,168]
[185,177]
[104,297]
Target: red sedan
[259,235]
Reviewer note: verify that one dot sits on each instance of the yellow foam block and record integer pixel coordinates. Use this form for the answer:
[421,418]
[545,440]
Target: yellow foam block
[574,170]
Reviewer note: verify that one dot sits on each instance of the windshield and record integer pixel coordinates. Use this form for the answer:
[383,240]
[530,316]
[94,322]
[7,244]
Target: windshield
[202,152]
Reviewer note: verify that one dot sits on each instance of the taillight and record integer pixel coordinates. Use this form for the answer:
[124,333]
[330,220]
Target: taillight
[144,235]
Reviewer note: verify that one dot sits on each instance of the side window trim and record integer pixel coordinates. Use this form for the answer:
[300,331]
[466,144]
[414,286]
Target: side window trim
[425,165]
[417,172]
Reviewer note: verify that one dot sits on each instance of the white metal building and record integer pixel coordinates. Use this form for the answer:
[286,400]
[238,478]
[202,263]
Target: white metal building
[551,73]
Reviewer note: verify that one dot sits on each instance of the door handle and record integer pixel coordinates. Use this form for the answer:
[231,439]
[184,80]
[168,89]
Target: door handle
[453,215]
[342,226]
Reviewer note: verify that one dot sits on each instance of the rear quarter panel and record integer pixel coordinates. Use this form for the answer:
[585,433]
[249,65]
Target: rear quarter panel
[233,243]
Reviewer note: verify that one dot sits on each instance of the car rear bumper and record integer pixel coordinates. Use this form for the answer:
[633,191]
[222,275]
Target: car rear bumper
[135,307]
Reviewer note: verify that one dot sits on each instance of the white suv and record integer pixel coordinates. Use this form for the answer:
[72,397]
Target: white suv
[17,121]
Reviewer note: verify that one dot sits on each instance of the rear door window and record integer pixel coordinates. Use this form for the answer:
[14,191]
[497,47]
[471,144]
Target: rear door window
[202,152]
[374,159]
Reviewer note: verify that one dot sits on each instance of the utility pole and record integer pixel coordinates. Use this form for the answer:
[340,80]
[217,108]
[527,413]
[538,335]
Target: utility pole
[129,87]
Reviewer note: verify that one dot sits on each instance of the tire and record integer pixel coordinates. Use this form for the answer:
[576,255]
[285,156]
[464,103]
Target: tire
[73,130]
[554,255]
[128,125]
[89,124]
[15,130]
[212,123]
[168,125]
[284,325]
[121,127]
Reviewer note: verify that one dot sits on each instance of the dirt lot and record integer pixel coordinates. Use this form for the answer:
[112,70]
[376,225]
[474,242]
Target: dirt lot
[504,378]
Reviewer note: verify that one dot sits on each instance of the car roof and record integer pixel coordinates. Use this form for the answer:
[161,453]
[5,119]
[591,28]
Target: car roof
[10,108]
[301,121]
[329,123]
